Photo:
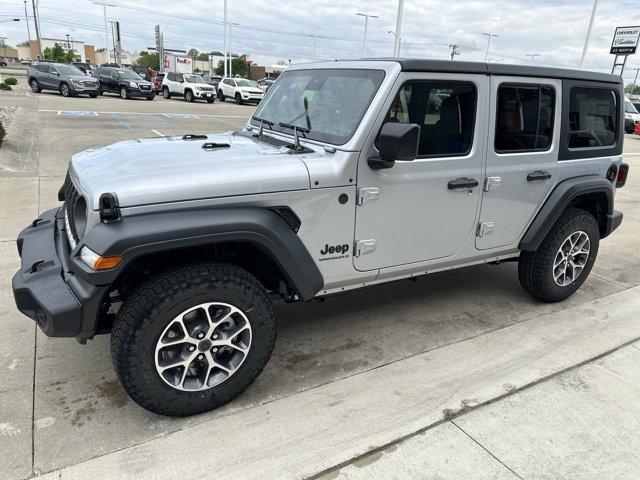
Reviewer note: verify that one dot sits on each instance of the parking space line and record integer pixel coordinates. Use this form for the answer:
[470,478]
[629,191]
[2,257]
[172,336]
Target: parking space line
[94,113]
[158,133]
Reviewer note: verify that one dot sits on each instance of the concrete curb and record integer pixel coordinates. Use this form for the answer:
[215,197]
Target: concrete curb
[18,152]
[380,406]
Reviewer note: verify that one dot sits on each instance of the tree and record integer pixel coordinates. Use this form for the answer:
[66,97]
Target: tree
[203,57]
[148,60]
[238,66]
[58,55]
[193,53]
[632,90]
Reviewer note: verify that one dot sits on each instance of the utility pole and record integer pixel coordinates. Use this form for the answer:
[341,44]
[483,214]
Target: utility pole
[315,48]
[366,26]
[118,44]
[398,31]
[532,56]
[635,81]
[26,19]
[36,22]
[106,28]
[225,37]
[588,37]
[4,46]
[488,35]
[454,49]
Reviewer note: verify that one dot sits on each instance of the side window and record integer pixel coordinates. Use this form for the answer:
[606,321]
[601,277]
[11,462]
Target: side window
[170,77]
[524,118]
[179,77]
[53,70]
[592,117]
[445,112]
[42,68]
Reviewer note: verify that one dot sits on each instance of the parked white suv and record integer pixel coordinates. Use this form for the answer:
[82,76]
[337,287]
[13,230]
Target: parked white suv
[191,87]
[240,89]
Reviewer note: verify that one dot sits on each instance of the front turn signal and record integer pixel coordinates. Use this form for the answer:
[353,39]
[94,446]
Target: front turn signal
[98,262]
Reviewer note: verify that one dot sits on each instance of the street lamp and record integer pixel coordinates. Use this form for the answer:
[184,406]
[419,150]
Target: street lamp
[398,32]
[106,30]
[366,25]
[488,35]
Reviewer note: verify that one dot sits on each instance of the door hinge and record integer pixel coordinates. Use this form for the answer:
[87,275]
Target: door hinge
[492,183]
[485,228]
[368,194]
[362,247]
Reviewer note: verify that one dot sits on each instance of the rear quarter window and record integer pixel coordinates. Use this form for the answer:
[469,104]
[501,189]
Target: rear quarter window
[592,117]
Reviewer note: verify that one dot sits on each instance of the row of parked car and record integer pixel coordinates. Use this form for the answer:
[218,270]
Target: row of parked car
[70,80]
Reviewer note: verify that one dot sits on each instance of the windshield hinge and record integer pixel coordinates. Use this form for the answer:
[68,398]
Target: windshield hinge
[367,194]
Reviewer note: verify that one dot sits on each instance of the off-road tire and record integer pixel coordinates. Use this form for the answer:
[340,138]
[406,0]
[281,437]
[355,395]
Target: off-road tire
[166,93]
[35,86]
[189,96]
[238,99]
[147,311]
[535,269]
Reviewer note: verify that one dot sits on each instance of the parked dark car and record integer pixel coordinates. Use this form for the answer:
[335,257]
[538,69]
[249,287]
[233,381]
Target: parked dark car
[85,67]
[265,83]
[144,72]
[157,82]
[125,83]
[212,80]
[66,79]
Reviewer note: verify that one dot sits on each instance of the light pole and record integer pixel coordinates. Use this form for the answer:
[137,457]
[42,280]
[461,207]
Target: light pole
[398,31]
[225,37]
[454,49]
[26,19]
[315,48]
[399,42]
[488,35]
[366,16]
[230,49]
[635,82]
[588,37]
[36,23]
[106,28]
[532,56]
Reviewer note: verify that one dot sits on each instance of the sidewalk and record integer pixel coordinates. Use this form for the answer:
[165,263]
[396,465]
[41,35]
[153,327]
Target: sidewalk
[582,424]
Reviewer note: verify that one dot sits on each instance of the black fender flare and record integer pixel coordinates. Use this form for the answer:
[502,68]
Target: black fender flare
[134,236]
[559,199]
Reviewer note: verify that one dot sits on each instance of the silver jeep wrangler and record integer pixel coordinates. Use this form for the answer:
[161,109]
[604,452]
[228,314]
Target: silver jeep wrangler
[349,174]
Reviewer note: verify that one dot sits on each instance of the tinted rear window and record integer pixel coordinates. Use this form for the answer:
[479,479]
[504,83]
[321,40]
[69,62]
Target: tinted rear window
[592,117]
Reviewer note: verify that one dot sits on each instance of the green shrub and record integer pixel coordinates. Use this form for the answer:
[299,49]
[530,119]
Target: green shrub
[4,86]
[10,81]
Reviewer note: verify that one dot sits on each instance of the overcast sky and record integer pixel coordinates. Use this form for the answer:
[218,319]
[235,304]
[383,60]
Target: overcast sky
[555,29]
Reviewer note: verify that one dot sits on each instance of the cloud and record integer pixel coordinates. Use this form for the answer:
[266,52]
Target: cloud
[552,28]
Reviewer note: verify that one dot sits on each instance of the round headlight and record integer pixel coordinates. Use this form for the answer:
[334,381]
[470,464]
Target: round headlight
[80,216]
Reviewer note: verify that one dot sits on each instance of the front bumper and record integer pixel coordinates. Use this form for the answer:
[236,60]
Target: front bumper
[205,95]
[46,290]
[136,92]
[82,89]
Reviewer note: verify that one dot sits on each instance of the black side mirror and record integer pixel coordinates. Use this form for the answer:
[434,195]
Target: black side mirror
[398,142]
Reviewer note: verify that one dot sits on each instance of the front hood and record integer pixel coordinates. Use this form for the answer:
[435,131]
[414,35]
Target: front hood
[83,78]
[160,170]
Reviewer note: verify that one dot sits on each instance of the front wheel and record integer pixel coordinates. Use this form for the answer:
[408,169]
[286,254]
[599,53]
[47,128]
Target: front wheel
[220,96]
[192,339]
[564,259]
[210,100]
[166,93]
[188,96]
[238,99]
[124,93]
[65,90]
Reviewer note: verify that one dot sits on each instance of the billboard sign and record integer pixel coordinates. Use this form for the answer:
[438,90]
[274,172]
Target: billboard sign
[625,41]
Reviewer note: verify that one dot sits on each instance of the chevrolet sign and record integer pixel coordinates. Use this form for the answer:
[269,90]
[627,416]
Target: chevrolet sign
[625,40]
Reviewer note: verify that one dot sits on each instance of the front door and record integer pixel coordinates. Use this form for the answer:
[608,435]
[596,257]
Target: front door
[421,210]
[522,156]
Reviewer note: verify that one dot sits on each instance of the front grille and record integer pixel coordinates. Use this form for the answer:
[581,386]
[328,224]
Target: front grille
[206,89]
[90,84]
[145,87]
[71,196]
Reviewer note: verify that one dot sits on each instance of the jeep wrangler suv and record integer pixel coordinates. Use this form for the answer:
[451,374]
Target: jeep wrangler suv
[349,174]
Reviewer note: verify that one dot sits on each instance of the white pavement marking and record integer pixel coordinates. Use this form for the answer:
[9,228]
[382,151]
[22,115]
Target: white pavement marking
[158,133]
[170,115]
[307,433]
[77,113]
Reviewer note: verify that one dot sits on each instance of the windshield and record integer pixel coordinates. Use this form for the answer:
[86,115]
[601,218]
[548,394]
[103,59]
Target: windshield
[69,70]
[336,101]
[246,83]
[629,107]
[193,79]
[128,74]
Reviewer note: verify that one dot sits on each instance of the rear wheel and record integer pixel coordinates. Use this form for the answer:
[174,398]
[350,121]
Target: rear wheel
[564,259]
[192,339]
[35,86]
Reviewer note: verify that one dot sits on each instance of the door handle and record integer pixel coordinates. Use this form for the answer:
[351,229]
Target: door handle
[538,175]
[464,182]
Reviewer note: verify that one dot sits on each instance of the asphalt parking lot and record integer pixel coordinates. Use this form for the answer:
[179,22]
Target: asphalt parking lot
[349,376]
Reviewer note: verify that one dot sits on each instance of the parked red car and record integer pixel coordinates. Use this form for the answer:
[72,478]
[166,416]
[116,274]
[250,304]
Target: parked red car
[637,129]
[157,82]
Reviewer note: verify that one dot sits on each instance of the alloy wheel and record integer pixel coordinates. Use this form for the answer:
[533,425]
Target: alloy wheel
[571,258]
[203,346]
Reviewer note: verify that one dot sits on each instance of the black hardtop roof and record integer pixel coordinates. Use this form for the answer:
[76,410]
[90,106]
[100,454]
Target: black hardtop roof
[419,65]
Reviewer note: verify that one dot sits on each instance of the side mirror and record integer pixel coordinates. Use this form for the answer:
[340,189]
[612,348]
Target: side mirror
[398,142]
[57,74]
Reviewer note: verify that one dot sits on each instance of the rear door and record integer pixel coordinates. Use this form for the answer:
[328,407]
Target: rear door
[522,156]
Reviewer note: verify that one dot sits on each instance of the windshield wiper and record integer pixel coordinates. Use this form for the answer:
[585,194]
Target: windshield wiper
[296,138]
[263,122]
